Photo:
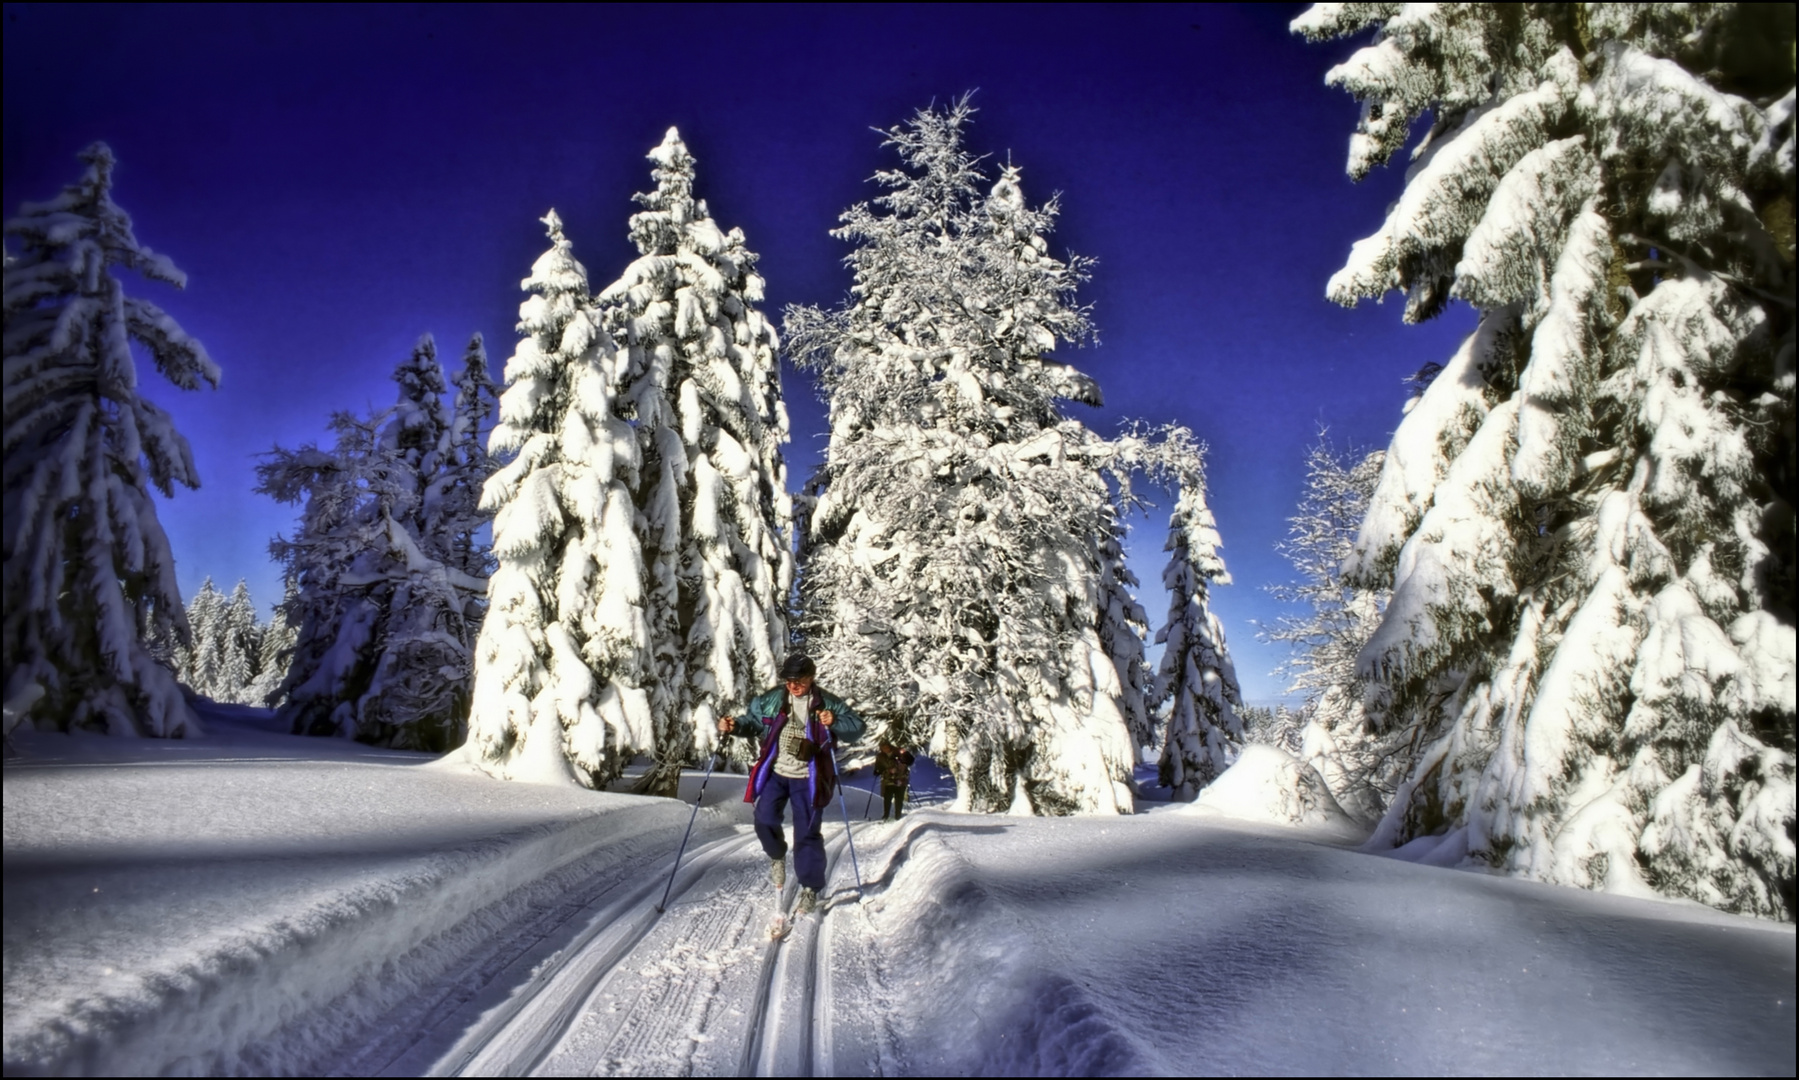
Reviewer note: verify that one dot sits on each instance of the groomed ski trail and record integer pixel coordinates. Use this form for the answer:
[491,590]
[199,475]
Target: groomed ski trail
[603,984]
[598,982]
[706,992]
[527,988]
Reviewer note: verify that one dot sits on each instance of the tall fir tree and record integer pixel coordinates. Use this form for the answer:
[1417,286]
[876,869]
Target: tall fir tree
[962,533]
[220,663]
[1586,518]
[383,647]
[343,493]
[89,577]
[420,692]
[453,500]
[1203,734]
[201,662]
[242,646]
[1122,626]
[702,385]
[563,667]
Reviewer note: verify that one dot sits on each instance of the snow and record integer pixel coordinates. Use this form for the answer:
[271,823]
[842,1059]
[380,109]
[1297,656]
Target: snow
[258,902]
[233,881]
[1270,786]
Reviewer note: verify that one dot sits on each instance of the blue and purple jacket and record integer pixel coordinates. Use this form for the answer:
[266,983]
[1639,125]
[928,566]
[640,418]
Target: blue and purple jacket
[767,715]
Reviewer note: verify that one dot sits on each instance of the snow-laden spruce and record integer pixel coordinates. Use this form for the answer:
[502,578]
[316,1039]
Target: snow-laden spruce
[452,509]
[385,616]
[702,384]
[1123,625]
[962,573]
[1585,519]
[197,664]
[89,576]
[564,668]
[1339,717]
[1203,733]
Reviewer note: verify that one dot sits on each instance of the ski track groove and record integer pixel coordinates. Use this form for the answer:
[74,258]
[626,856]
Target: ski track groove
[668,1019]
[456,1023]
[406,1048]
[786,1046]
[528,1031]
[635,991]
[675,1002]
[758,1014]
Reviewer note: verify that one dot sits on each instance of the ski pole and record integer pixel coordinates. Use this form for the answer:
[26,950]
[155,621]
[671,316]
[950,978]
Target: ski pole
[848,830]
[711,759]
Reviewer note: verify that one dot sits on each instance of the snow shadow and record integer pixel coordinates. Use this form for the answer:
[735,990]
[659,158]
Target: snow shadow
[1179,946]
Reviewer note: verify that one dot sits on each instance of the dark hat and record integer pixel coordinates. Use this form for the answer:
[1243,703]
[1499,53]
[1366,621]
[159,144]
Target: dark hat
[798,666]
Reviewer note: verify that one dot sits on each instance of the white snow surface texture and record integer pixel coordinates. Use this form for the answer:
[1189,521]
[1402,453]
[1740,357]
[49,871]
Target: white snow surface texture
[252,902]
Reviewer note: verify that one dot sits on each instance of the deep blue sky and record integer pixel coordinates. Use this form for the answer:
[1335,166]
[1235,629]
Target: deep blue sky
[337,181]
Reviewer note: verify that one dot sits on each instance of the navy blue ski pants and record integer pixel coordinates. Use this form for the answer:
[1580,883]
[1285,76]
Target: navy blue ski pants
[808,826]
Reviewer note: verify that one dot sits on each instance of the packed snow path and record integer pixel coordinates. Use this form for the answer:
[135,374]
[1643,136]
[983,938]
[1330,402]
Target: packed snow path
[698,989]
[268,907]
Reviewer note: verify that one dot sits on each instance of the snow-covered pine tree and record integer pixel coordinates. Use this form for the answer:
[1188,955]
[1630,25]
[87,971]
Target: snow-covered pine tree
[1585,519]
[952,580]
[1279,727]
[201,661]
[453,501]
[419,423]
[1122,626]
[335,561]
[384,643]
[563,665]
[89,577]
[242,646]
[1203,734]
[221,662]
[419,695]
[1339,737]
[275,650]
[703,386]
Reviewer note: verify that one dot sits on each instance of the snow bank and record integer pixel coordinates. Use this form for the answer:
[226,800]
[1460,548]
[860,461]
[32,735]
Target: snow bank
[1270,786]
[248,902]
[1158,944]
[960,986]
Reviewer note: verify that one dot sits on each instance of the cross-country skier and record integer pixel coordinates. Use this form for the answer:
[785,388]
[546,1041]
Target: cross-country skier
[894,766]
[799,723]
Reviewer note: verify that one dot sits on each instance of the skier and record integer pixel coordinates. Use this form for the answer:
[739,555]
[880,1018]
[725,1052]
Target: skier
[894,767]
[799,724]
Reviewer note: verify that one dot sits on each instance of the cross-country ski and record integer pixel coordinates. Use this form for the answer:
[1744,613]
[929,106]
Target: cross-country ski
[780,924]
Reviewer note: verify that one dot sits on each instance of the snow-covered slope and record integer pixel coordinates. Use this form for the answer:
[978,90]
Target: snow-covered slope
[1172,944]
[253,902]
[191,904]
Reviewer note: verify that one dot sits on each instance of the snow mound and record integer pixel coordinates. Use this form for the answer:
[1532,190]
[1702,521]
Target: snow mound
[964,977]
[1270,786]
